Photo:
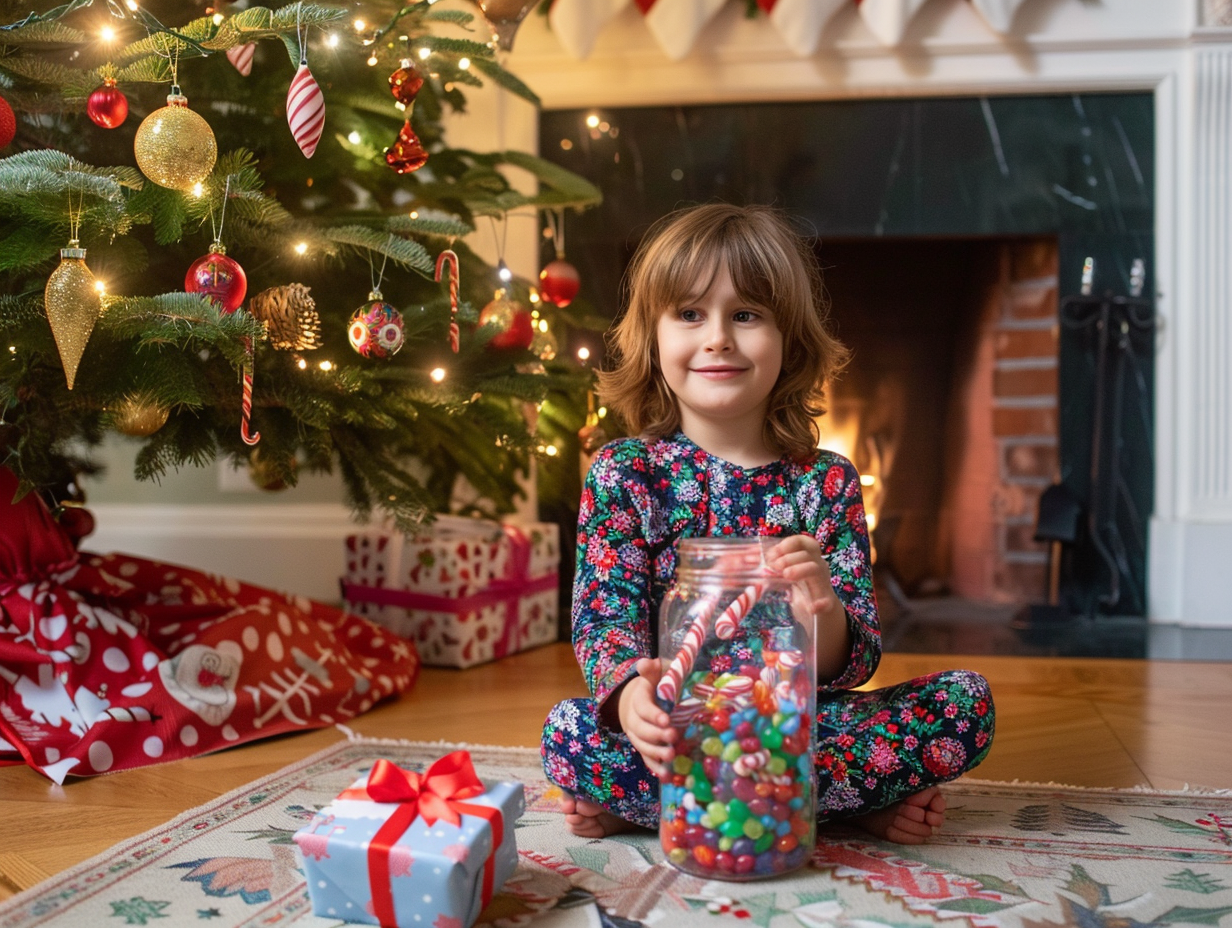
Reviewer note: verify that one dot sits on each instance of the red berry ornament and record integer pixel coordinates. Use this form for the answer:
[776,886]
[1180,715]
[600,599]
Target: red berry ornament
[513,321]
[407,154]
[218,277]
[404,83]
[559,282]
[107,106]
[8,123]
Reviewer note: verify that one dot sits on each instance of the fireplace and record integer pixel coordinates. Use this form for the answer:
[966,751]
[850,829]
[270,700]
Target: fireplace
[947,264]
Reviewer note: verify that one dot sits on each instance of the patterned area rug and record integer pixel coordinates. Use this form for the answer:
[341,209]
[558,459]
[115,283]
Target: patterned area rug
[1014,855]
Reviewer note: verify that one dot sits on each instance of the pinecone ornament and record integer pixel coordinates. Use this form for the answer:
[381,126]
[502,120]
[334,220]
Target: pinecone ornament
[290,317]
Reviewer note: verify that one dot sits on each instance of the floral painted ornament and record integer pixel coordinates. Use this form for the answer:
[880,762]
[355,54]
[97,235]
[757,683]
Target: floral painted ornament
[376,329]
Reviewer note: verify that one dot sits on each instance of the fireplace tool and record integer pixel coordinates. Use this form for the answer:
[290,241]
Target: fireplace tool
[1110,320]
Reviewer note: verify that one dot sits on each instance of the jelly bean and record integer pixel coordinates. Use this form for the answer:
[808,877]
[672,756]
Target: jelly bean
[782,828]
[796,803]
[777,766]
[744,863]
[689,801]
[711,746]
[763,843]
[702,791]
[678,855]
[726,843]
[737,811]
[742,846]
[681,764]
[790,725]
[717,812]
[722,792]
[732,751]
[727,737]
[750,670]
[710,767]
[800,826]
[786,844]
[764,790]
[764,863]
[772,739]
[750,745]
[744,729]
[753,829]
[781,811]
[720,721]
[759,807]
[744,789]
[694,816]
[725,862]
[704,856]
[782,793]
[731,828]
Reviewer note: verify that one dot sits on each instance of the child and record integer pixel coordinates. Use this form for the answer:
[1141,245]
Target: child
[722,357]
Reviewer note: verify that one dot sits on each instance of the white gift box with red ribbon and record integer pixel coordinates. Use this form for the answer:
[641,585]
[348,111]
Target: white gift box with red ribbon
[466,591]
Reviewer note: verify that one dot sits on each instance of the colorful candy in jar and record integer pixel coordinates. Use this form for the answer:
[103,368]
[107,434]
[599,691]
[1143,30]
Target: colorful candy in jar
[739,803]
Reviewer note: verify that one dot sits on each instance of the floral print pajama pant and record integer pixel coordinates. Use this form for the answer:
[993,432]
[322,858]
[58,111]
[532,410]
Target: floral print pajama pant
[873,748]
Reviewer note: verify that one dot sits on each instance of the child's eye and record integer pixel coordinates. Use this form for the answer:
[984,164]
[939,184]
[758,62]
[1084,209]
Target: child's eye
[744,315]
[689,315]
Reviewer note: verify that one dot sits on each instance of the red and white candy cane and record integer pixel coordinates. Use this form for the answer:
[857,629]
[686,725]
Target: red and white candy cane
[449,257]
[250,437]
[725,625]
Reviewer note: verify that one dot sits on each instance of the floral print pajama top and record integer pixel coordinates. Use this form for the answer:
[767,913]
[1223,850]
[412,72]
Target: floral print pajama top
[640,498]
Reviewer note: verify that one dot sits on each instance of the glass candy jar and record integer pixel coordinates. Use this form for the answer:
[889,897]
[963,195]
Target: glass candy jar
[740,684]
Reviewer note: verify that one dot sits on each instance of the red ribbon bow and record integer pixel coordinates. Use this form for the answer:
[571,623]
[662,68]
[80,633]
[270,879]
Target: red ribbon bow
[436,794]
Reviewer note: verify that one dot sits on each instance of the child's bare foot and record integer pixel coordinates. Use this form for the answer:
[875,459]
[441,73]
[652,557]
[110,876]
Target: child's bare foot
[587,820]
[910,821]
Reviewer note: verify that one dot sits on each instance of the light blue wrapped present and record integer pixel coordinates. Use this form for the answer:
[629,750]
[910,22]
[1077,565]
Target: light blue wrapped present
[408,849]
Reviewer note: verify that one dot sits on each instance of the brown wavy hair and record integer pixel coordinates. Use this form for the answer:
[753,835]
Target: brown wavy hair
[771,266]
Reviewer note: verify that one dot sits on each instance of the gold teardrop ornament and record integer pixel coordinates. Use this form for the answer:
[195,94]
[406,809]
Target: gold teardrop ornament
[73,306]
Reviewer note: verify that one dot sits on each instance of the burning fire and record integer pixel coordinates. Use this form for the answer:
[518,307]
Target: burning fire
[841,433]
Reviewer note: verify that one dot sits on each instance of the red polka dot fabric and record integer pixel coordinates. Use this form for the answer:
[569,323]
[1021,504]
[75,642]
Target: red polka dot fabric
[110,662]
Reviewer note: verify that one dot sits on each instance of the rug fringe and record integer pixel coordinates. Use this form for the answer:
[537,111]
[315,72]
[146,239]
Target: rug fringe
[355,737]
[1186,790]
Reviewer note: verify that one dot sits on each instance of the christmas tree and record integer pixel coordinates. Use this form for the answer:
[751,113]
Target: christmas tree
[186,251]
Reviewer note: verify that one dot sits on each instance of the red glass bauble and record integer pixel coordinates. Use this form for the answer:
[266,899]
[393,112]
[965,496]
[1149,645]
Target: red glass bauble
[107,106]
[559,282]
[406,154]
[515,326]
[405,83]
[77,523]
[8,123]
[220,278]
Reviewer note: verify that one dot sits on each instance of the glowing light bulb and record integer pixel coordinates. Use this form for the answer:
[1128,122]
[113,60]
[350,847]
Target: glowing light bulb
[360,25]
[372,59]
[424,53]
[503,272]
[198,189]
[592,121]
[583,353]
[438,374]
[301,248]
[218,18]
[602,412]
[867,480]
[543,325]
[100,286]
[332,40]
[107,34]
[551,451]
[353,137]
[326,365]
[302,364]
[464,63]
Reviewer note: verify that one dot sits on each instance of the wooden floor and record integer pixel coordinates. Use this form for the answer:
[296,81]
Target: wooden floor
[1085,722]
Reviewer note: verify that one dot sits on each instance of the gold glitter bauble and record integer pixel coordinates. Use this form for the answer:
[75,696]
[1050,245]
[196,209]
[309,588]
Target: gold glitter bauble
[543,344]
[175,147]
[139,416]
[73,306]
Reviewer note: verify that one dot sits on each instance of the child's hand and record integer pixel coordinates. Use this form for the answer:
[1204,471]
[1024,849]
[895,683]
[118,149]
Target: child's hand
[799,560]
[647,726]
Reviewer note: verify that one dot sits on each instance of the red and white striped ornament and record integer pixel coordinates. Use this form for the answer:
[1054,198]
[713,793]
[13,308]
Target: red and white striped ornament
[305,110]
[241,57]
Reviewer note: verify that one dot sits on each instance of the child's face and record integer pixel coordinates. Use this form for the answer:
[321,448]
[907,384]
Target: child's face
[720,357]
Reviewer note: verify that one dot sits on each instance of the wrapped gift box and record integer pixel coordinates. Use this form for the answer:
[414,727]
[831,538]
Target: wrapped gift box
[400,848]
[466,591]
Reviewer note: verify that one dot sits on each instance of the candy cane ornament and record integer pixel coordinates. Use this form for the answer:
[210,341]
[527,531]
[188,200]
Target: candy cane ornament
[449,257]
[250,437]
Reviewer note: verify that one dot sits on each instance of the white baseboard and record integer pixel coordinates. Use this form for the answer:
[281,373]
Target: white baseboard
[297,548]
